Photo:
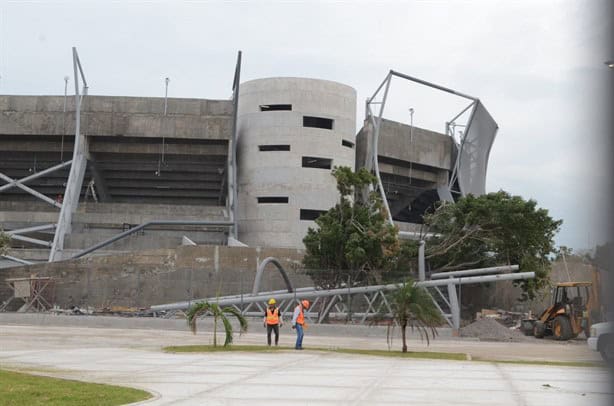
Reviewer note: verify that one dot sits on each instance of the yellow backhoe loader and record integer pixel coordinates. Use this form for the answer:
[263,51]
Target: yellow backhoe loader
[570,312]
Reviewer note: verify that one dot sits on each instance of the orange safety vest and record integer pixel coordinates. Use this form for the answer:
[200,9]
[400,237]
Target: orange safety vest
[272,317]
[301,317]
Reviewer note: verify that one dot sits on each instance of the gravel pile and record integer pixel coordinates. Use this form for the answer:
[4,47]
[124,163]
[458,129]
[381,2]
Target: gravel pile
[488,329]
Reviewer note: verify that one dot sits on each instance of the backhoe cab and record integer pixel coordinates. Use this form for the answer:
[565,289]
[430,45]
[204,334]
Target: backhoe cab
[569,314]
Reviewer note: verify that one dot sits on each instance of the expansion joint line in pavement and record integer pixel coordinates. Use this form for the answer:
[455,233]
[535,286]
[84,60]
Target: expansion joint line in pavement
[274,367]
[363,394]
[516,395]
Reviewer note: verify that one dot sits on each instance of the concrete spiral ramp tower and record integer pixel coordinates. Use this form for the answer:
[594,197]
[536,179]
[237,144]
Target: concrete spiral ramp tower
[292,133]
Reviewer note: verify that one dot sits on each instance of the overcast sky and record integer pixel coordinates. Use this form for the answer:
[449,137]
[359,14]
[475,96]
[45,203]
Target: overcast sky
[538,66]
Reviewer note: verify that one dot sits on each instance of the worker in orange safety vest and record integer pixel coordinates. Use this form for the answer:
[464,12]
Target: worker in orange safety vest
[298,322]
[272,321]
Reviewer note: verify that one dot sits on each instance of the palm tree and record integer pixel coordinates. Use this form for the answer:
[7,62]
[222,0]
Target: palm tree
[413,306]
[218,312]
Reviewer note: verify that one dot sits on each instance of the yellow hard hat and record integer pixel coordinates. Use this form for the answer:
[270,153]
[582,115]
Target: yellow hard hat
[272,301]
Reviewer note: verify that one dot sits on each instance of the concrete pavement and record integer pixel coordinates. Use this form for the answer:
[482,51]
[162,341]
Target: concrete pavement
[133,358]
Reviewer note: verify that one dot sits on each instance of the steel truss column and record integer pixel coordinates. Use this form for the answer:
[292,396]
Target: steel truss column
[77,169]
[454,306]
[232,153]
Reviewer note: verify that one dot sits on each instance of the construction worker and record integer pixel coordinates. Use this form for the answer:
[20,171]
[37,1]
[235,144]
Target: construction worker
[272,321]
[298,322]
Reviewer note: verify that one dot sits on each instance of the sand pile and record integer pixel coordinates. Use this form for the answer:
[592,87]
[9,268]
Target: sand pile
[488,329]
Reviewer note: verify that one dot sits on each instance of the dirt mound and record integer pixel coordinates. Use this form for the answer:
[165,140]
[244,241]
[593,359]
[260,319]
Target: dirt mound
[488,329]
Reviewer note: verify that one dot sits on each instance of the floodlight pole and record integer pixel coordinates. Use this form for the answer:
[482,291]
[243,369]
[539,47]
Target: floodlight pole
[166,80]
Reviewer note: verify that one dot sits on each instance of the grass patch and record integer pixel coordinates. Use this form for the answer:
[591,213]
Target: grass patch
[583,364]
[18,389]
[220,348]
[261,348]
[455,356]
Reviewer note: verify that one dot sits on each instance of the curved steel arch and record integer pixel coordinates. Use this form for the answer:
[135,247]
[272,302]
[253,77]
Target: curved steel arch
[260,271]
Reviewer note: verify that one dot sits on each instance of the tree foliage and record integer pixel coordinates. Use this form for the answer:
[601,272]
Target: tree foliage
[5,241]
[493,229]
[353,242]
[219,313]
[413,307]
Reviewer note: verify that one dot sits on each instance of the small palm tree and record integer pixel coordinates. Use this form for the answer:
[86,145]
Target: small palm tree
[218,312]
[413,306]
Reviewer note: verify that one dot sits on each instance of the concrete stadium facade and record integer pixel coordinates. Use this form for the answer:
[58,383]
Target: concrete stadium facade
[153,159]
[292,133]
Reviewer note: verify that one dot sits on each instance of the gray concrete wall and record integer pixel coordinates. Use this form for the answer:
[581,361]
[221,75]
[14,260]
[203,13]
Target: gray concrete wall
[117,116]
[425,147]
[142,279]
[280,173]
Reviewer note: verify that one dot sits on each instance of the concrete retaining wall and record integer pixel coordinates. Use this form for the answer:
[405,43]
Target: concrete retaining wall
[145,278]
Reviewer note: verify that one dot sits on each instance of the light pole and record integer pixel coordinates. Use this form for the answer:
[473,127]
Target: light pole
[411,139]
[64,118]
[166,80]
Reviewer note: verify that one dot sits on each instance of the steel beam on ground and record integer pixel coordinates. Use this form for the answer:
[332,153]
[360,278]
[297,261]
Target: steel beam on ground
[474,272]
[478,279]
[261,297]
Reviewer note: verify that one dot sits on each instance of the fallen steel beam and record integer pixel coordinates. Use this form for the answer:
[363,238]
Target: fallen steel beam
[474,272]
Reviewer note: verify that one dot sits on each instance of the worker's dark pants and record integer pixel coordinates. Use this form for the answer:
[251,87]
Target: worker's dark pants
[269,328]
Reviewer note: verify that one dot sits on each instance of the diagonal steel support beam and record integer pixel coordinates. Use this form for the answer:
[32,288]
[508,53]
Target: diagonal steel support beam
[31,240]
[31,229]
[30,190]
[18,260]
[17,182]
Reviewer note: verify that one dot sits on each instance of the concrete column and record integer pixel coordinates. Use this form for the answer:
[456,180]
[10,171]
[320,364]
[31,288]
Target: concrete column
[271,115]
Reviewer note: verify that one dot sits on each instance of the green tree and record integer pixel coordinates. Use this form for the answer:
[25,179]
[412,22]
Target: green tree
[493,229]
[219,313]
[353,243]
[413,307]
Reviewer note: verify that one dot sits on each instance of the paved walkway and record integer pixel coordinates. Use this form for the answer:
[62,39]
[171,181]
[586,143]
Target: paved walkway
[133,358]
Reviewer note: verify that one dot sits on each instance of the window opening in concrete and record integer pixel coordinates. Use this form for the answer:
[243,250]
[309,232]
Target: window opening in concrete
[314,162]
[273,199]
[275,107]
[348,144]
[307,214]
[318,122]
[274,147]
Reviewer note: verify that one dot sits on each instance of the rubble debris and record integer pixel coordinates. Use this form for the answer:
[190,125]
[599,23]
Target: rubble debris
[489,329]
[507,318]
